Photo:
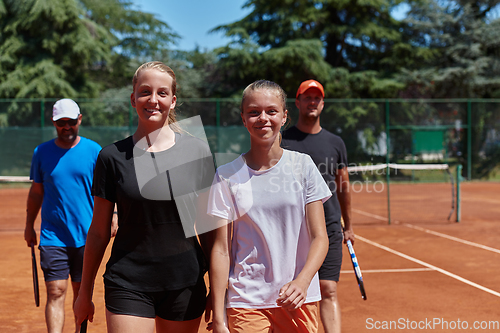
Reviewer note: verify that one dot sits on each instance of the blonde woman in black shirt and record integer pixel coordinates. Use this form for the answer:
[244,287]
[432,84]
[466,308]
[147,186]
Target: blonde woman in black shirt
[154,277]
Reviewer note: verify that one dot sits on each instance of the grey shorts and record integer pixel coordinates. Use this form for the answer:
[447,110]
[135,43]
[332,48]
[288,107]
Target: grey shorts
[58,263]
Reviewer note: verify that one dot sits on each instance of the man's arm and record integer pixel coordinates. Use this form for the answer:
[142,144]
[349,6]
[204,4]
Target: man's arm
[33,205]
[344,197]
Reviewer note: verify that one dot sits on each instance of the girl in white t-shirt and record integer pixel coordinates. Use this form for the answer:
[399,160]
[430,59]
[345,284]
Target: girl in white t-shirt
[264,265]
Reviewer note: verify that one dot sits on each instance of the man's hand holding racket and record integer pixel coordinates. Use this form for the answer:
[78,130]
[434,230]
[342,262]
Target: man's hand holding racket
[348,235]
[30,236]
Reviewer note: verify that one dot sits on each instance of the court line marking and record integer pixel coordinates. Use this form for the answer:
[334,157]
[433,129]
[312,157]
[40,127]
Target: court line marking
[484,247]
[423,263]
[370,215]
[435,233]
[395,270]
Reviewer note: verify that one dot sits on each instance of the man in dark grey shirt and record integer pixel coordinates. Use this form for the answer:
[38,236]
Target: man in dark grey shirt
[329,154]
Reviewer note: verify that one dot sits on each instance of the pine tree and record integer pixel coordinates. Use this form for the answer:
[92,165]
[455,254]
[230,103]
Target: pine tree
[71,48]
[47,49]
[463,38]
[465,44]
[323,37]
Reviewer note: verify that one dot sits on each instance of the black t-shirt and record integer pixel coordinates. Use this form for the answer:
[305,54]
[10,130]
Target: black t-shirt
[150,251]
[329,154]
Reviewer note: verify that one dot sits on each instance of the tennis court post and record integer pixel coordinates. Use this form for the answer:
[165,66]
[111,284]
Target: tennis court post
[387,158]
[459,179]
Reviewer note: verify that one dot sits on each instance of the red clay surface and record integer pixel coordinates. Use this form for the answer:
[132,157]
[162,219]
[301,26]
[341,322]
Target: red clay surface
[453,286]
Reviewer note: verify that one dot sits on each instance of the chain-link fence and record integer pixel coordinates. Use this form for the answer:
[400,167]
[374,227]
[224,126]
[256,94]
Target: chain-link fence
[465,132]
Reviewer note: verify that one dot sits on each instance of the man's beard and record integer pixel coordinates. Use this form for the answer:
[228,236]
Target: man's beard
[68,136]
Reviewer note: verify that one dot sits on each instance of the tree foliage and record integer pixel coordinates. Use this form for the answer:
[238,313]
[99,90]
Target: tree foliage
[47,49]
[71,48]
[463,38]
[195,72]
[465,45]
[324,37]
[355,34]
[138,37]
[297,60]
[139,34]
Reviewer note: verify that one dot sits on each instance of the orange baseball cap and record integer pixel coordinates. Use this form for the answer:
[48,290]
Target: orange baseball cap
[310,84]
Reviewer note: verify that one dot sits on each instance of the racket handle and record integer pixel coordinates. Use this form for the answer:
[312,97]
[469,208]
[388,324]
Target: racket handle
[35,275]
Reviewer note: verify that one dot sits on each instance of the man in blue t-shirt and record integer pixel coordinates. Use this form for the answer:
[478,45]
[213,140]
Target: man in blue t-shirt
[62,171]
[329,154]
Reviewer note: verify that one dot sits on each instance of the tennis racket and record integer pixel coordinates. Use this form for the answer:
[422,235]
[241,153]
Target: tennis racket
[357,270]
[36,288]
[83,327]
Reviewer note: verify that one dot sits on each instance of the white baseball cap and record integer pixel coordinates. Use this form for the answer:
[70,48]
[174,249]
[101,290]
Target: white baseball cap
[65,108]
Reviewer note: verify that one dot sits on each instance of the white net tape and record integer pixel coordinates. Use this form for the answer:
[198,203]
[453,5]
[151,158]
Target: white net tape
[367,168]
[351,169]
[14,179]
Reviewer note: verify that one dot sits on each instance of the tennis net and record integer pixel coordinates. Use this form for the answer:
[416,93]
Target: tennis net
[391,193]
[397,193]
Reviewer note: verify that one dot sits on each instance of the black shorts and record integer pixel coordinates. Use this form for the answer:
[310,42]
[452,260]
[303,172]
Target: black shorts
[58,263]
[330,270]
[176,305]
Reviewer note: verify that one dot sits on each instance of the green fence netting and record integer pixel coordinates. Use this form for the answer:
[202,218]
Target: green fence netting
[459,131]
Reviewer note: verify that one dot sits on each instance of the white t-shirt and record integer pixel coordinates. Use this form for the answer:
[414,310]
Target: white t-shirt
[270,235]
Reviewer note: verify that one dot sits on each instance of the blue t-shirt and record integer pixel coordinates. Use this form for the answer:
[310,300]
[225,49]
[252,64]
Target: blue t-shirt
[66,175]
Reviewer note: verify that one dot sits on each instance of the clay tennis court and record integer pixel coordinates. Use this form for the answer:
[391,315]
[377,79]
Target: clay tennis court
[423,272]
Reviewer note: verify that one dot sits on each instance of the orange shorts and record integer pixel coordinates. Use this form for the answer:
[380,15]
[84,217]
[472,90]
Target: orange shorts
[274,320]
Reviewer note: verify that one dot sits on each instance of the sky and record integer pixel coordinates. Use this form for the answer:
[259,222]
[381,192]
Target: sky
[193,19]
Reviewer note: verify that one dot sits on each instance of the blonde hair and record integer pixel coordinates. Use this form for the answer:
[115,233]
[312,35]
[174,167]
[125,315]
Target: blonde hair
[160,66]
[267,85]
